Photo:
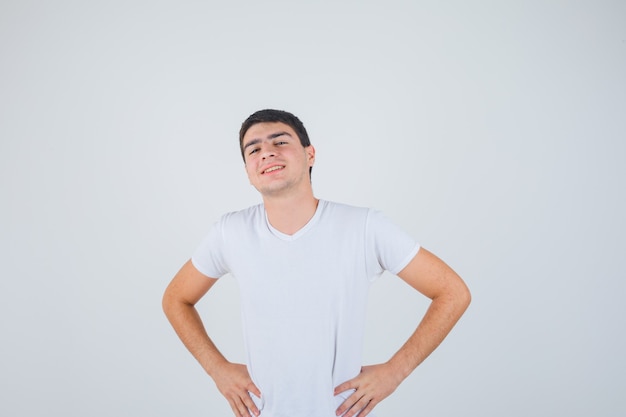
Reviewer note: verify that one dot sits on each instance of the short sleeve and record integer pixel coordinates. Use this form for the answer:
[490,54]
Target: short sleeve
[389,247]
[209,257]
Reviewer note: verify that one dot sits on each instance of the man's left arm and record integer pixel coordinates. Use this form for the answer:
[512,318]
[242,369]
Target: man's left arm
[450,297]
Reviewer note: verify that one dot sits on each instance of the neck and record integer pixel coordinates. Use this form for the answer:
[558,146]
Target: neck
[288,214]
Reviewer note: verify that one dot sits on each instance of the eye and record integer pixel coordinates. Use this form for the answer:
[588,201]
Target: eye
[254,150]
[282,142]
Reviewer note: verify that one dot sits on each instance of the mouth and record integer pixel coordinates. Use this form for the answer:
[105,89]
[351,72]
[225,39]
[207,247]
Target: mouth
[273,168]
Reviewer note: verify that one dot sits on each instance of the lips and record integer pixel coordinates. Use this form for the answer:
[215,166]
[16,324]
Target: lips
[273,168]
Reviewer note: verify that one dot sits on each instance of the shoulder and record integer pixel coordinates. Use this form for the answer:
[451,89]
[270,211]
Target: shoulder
[335,208]
[241,220]
[347,211]
[372,219]
[245,215]
[344,216]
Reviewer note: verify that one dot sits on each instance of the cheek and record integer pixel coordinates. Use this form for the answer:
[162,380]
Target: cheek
[248,170]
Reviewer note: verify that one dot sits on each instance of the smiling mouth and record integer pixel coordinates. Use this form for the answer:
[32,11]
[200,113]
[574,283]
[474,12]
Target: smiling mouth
[274,168]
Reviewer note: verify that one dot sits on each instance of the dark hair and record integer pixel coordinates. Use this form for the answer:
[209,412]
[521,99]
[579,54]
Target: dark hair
[273,116]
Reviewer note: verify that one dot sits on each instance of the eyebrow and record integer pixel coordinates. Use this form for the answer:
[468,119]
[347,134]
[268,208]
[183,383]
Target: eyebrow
[272,136]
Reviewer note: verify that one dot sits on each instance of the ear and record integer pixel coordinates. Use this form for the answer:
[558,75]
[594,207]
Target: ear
[310,152]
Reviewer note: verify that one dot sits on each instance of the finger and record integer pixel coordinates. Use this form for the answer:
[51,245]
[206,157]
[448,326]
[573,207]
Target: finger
[235,409]
[369,407]
[239,408]
[358,407]
[250,405]
[242,409]
[348,385]
[349,403]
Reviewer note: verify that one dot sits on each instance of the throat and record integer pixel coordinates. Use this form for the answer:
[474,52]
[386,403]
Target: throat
[291,218]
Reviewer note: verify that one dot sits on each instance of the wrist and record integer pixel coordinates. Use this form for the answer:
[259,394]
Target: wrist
[214,365]
[399,368]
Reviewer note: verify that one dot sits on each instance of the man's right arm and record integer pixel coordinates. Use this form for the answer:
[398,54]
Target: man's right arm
[233,381]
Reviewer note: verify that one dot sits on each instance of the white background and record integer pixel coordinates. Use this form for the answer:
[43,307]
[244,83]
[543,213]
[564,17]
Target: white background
[493,131]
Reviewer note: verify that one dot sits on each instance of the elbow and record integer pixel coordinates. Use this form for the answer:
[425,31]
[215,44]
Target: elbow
[165,302]
[464,296]
[457,296]
[467,297]
[173,303]
[168,301]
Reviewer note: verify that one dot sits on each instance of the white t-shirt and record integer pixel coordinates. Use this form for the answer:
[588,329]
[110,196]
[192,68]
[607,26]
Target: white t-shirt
[304,297]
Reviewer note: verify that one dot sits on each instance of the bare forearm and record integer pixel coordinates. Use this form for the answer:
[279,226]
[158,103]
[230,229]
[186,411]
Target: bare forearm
[440,318]
[232,380]
[188,325]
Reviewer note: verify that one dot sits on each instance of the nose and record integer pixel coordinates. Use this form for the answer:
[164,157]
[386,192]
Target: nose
[267,151]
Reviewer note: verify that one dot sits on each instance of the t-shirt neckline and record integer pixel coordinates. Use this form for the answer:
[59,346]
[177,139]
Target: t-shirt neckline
[283,236]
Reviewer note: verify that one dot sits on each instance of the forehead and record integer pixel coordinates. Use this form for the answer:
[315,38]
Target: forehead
[267,129]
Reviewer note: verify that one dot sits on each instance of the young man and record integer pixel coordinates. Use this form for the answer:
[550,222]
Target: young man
[304,267]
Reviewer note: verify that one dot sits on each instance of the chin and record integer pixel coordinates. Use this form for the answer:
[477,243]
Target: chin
[274,190]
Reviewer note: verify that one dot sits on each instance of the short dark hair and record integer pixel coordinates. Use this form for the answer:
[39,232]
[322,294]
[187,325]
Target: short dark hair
[273,116]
